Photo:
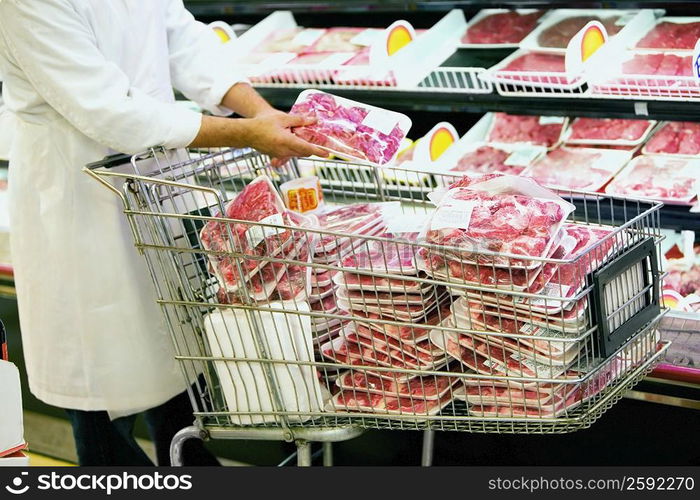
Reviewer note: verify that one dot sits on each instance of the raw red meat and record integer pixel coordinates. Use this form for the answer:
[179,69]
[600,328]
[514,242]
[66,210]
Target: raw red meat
[487,159]
[341,129]
[519,128]
[559,35]
[503,223]
[671,35]
[397,256]
[671,179]
[661,64]
[422,387]
[536,62]
[573,168]
[608,129]
[468,180]
[502,28]
[681,138]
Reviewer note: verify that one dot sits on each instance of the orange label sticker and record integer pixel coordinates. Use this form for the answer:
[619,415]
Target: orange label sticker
[303,199]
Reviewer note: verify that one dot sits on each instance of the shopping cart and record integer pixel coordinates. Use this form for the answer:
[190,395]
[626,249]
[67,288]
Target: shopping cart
[402,333]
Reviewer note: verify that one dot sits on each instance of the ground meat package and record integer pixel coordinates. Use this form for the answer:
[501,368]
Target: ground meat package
[524,129]
[350,129]
[608,132]
[499,28]
[355,400]
[578,169]
[675,139]
[428,387]
[504,215]
[667,179]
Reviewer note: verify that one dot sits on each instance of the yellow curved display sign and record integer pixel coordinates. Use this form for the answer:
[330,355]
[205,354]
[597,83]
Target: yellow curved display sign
[398,38]
[441,139]
[593,39]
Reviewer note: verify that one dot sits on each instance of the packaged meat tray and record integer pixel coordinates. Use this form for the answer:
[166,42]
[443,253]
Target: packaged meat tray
[418,360]
[428,387]
[669,33]
[608,131]
[414,334]
[676,139]
[351,400]
[578,169]
[499,222]
[350,129]
[499,28]
[482,158]
[393,255]
[670,180]
[555,31]
[396,284]
[294,39]
[535,69]
[525,129]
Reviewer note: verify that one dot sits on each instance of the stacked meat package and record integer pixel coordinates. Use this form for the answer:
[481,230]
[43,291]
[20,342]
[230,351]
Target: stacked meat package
[491,227]
[361,219]
[251,278]
[393,316]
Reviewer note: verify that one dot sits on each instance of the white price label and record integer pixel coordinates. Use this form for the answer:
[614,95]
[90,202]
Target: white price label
[551,120]
[366,37]
[522,157]
[256,234]
[453,216]
[307,36]
[552,290]
[529,329]
[535,368]
[405,223]
[380,121]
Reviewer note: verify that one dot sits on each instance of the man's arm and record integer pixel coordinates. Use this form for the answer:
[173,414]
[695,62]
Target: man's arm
[244,100]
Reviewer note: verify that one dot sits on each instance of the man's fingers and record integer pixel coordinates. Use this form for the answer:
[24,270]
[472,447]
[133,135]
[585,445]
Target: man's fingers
[293,121]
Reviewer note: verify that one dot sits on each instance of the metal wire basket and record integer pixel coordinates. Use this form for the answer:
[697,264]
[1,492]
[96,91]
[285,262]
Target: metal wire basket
[312,329]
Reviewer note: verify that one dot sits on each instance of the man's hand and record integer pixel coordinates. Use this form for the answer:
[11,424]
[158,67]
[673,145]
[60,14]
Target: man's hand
[271,133]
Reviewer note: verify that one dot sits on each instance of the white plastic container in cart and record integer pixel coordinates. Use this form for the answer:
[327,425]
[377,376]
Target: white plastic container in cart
[378,119]
[406,67]
[485,13]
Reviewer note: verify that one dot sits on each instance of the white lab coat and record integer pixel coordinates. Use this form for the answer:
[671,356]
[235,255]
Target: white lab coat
[84,77]
[7,129]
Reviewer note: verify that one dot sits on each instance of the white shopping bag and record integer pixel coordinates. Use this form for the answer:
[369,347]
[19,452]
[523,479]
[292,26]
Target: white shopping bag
[11,426]
[257,387]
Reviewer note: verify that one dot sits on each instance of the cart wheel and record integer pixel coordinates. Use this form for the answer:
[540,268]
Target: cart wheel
[428,442]
[191,432]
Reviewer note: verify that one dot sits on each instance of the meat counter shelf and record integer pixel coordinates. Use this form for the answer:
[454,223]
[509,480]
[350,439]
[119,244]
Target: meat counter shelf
[402,100]
[214,7]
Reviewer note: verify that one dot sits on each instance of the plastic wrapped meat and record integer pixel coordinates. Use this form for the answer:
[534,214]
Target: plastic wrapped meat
[385,256]
[468,180]
[257,202]
[355,131]
[353,400]
[422,387]
[671,35]
[486,159]
[338,40]
[661,64]
[608,129]
[525,129]
[559,35]
[536,62]
[664,179]
[502,28]
[681,138]
[484,218]
[290,40]
[573,168]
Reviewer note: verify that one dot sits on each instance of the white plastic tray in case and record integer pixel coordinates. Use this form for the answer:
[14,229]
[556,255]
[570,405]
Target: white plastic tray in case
[640,139]
[638,36]
[555,78]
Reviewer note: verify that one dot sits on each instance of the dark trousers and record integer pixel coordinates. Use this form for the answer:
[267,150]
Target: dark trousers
[102,442]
